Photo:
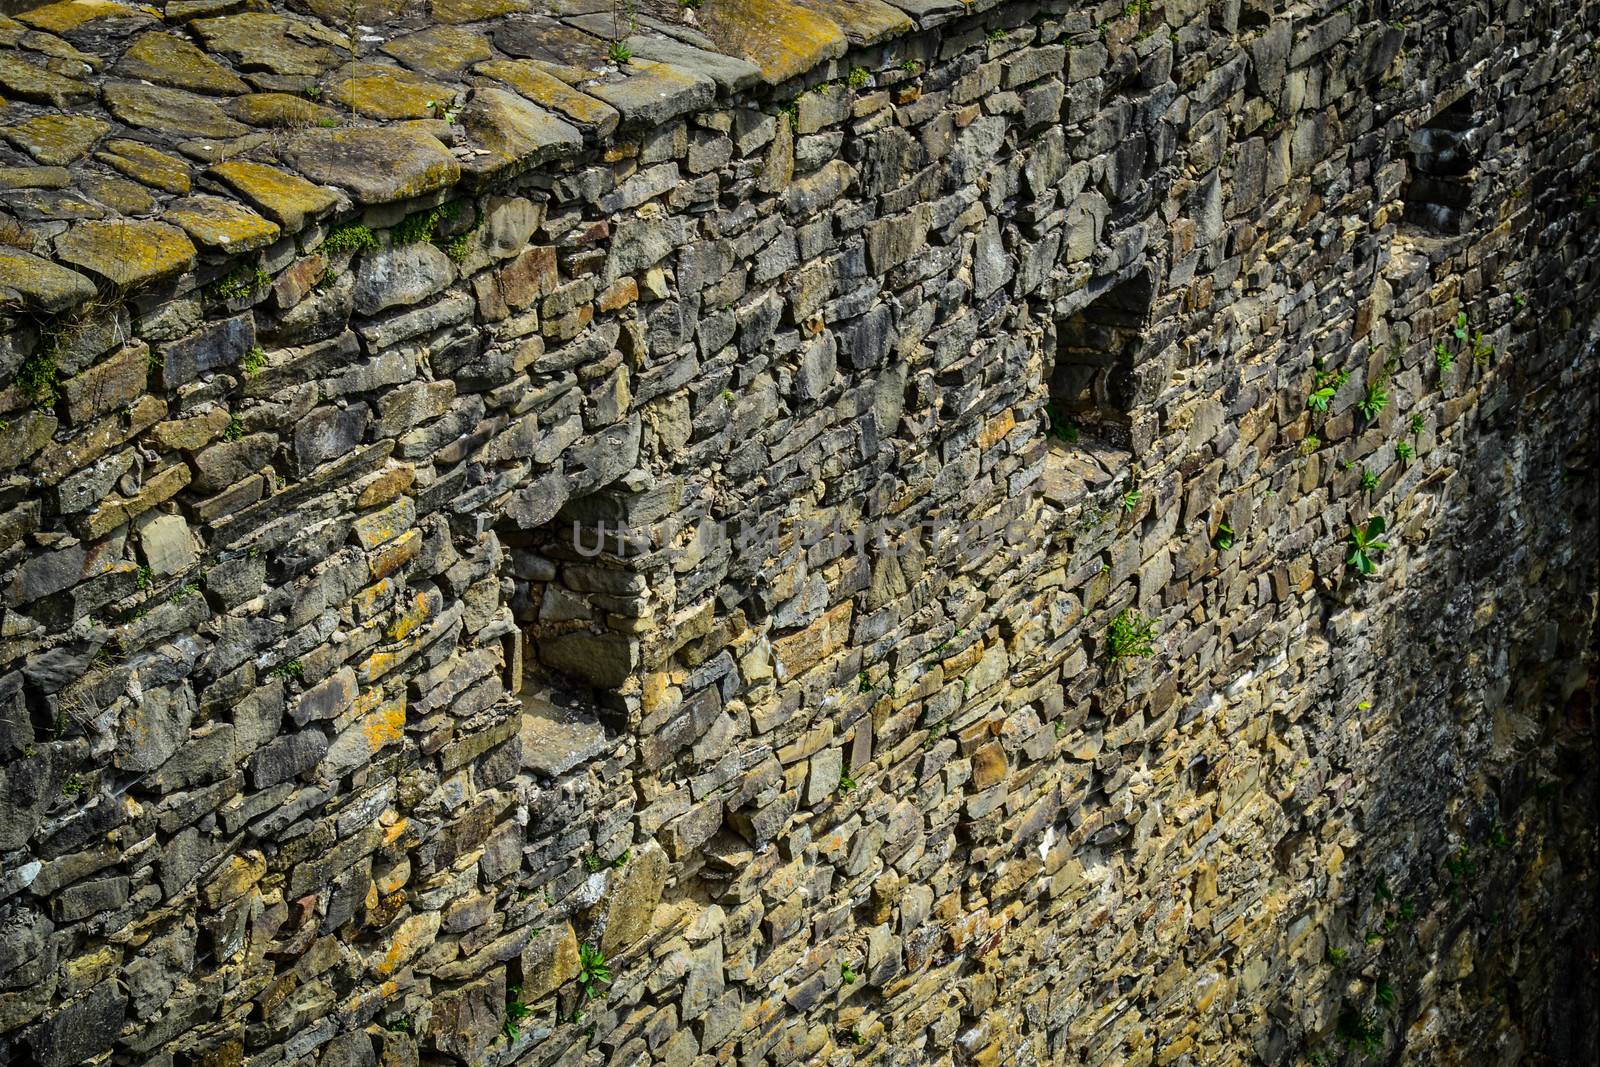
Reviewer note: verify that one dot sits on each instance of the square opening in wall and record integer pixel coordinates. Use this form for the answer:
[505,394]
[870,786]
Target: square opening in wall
[1440,191]
[1096,385]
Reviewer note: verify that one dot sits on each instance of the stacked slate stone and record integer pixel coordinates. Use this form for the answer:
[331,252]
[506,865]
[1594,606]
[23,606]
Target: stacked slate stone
[797,531]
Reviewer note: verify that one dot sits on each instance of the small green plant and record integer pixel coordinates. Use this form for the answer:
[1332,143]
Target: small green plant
[1369,480]
[234,430]
[253,361]
[1327,383]
[1337,956]
[1136,7]
[400,1025]
[239,283]
[144,578]
[622,860]
[1373,401]
[910,66]
[516,1011]
[1310,444]
[619,53]
[328,124]
[1130,500]
[351,237]
[1443,358]
[1520,300]
[690,4]
[72,786]
[1222,540]
[38,378]
[847,974]
[862,684]
[995,35]
[857,1037]
[592,972]
[858,78]
[1131,636]
[592,862]
[1365,542]
[313,92]
[291,669]
[1360,1030]
[1417,425]
[1386,993]
[728,395]
[416,227]
[846,783]
[459,247]
[1405,451]
[1062,428]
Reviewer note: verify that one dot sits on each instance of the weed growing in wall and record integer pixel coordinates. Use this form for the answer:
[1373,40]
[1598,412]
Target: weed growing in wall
[593,972]
[351,237]
[1131,636]
[516,1011]
[1326,384]
[1366,542]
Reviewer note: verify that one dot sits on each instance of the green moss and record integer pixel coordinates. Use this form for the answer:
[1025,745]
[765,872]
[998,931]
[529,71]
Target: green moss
[38,377]
[239,283]
[351,237]
[253,361]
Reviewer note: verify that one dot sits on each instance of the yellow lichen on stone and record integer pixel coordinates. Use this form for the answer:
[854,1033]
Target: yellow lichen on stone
[221,224]
[782,38]
[169,60]
[458,11]
[863,21]
[125,252]
[145,164]
[56,139]
[532,81]
[284,197]
[381,91]
[441,51]
[282,110]
[68,15]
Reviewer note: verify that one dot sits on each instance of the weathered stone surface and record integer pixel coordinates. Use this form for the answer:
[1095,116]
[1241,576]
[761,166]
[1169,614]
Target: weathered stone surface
[145,164]
[553,94]
[514,132]
[168,111]
[126,253]
[375,165]
[655,92]
[402,275]
[221,225]
[165,59]
[56,139]
[781,37]
[34,282]
[285,198]
[383,91]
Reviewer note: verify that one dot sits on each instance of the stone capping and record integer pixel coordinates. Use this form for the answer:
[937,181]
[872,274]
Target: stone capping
[267,110]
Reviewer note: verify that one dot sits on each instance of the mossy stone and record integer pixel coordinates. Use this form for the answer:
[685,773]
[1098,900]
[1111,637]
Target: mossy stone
[38,283]
[376,165]
[168,60]
[118,194]
[142,163]
[382,91]
[56,139]
[279,44]
[442,51]
[782,38]
[169,111]
[281,111]
[125,252]
[221,225]
[69,15]
[25,81]
[283,197]
[546,90]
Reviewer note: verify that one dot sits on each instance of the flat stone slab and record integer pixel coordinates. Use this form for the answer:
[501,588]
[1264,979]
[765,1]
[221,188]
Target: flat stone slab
[55,140]
[385,91]
[125,252]
[287,199]
[169,111]
[729,72]
[221,225]
[376,165]
[514,132]
[531,80]
[655,92]
[556,739]
[782,38]
[31,282]
[168,60]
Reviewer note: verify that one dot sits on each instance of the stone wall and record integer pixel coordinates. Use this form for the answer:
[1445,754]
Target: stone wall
[825,540]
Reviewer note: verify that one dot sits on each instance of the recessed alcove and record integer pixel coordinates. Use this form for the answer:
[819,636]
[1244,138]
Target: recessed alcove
[1443,155]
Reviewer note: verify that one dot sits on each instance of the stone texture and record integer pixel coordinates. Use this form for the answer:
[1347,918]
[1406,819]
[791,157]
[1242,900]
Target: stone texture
[710,545]
[126,253]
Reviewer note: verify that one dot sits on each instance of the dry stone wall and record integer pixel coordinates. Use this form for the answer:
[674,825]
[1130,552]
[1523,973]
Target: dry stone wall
[826,535]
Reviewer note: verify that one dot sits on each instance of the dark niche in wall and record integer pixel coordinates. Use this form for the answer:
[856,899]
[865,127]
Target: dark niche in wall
[1440,190]
[1095,385]
[573,599]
